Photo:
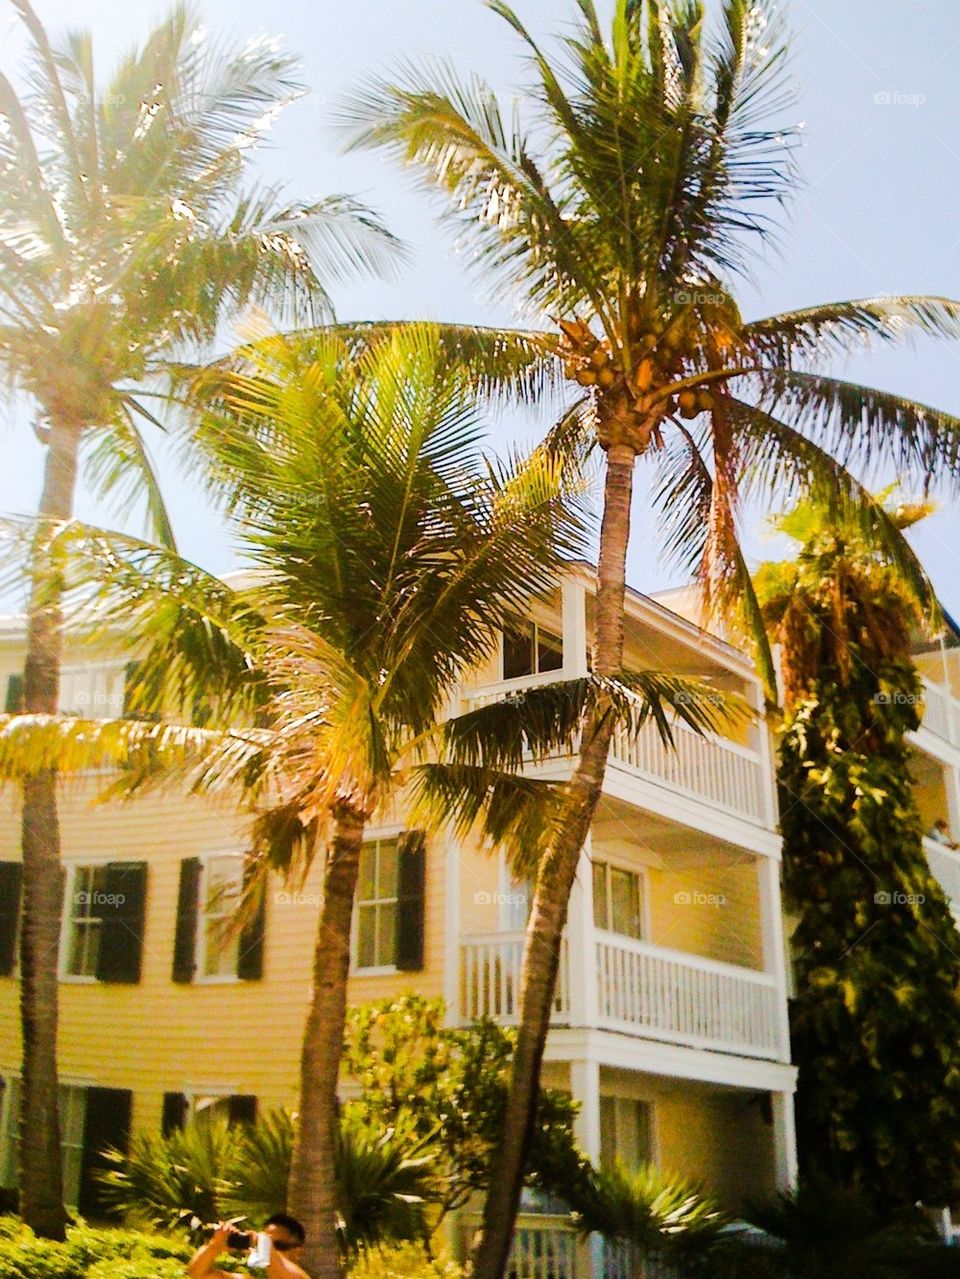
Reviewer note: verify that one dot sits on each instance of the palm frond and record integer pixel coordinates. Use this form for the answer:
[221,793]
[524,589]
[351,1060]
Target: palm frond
[814,332]
[858,423]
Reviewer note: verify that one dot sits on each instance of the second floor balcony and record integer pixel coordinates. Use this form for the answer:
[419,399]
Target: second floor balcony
[635,988]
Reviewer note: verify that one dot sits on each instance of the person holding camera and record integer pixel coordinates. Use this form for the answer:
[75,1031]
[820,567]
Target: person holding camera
[275,1248]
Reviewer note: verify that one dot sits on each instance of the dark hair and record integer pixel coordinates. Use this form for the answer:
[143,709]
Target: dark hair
[289,1224]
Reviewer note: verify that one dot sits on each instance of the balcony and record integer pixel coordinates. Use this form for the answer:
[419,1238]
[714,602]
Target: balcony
[669,995]
[711,768]
[944,865]
[941,712]
[642,990]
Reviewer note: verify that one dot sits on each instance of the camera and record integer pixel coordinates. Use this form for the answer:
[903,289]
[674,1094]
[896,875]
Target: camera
[238,1240]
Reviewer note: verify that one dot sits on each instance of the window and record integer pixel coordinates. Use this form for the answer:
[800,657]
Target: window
[377,896]
[220,893]
[528,649]
[85,902]
[9,1115]
[73,1106]
[617,900]
[626,1131]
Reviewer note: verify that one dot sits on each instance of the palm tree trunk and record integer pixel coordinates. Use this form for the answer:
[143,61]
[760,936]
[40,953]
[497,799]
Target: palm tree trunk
[555,876]
[40,1173]
[313,1187]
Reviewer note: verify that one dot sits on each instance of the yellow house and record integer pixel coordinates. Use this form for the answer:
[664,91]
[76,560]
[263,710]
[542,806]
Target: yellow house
[671,1018]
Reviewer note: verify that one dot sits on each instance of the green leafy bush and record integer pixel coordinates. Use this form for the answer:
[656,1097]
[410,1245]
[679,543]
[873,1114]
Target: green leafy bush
[89,1254]
[407,1261]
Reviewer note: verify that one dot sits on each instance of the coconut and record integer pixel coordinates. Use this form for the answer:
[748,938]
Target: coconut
[643,378]
[687,400]
[606,378]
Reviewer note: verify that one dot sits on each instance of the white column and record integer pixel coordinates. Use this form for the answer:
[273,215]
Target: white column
[585,1086]
[581,944]
[452,929]
[784,1140]
[774,945]
[574,607]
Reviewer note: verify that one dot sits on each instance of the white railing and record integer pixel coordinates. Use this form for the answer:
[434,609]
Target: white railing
[729,776]
[544,1247]
[490,968]
[944,865]
[941,712]
[708,767]
[666,994]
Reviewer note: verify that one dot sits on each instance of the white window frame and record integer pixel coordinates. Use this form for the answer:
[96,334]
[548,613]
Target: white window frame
[97,688]
[382,835]
[219,1092]
[535,674]
[66,922]
[201,977]
[9,1105]
[8,1128]
[643,877]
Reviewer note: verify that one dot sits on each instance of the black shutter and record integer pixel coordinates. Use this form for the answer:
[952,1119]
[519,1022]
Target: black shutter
[242,1108]
[132,695]
[175,1110]
[411,877]
[122,911]
[14,705]
[185,939]
[106,1123]
[250,950]
[10,878]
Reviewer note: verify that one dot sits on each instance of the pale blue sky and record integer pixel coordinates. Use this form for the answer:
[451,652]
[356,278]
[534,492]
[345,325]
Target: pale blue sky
[878,212]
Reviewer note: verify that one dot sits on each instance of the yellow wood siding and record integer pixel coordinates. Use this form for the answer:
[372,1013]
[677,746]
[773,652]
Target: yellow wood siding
[159,1036]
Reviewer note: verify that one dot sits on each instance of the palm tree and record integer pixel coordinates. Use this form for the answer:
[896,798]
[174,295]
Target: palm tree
[127,234]
[623,213]
[391,553]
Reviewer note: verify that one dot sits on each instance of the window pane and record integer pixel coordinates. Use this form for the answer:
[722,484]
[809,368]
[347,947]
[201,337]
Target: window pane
[366,937]
[224,887]
[600,895]
[367,886]
[387,869]
[518,650]
[387,934]
[624,903]
[549,651]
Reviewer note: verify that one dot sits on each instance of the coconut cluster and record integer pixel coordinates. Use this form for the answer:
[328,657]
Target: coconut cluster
[590,361]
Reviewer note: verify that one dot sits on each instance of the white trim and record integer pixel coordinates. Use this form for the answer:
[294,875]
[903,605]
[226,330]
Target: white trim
[673,1061]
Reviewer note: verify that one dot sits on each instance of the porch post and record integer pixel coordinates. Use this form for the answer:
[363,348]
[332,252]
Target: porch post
[774,944]
[585,1086]
[784,1140]
[573,597]
[581,945]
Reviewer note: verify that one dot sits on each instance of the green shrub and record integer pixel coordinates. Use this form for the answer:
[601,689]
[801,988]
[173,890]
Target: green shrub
[141,1267]
[406,1261]
[89,1253]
